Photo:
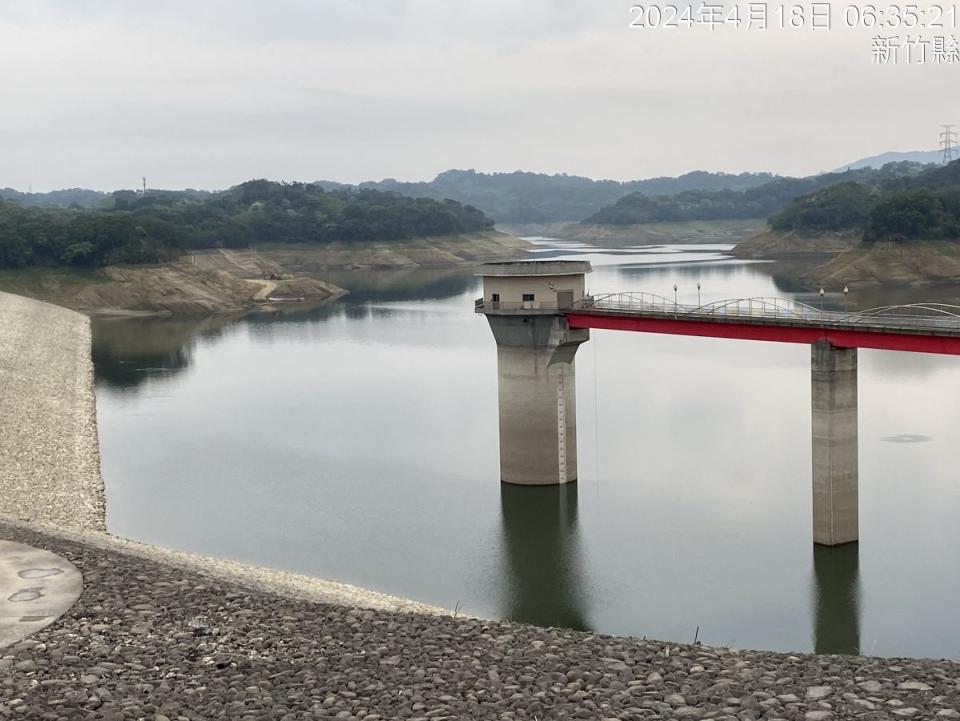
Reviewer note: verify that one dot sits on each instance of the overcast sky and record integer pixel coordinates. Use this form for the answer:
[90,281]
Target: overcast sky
[208,93]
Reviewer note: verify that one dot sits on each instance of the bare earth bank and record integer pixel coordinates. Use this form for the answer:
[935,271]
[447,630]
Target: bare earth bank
[235,281]
[767,244]
[837,259]
[930,262]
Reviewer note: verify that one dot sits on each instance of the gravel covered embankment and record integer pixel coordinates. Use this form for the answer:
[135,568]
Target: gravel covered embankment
[149,640]
[49,457]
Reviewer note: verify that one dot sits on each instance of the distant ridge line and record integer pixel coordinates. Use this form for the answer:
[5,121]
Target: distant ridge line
[878,161]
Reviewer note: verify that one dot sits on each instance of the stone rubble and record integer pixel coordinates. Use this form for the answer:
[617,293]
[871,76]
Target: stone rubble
[150,640]
[49,455]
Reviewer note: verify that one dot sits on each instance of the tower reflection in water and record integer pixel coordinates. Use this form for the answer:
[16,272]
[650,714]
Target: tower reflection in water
[836,591]
[541,555]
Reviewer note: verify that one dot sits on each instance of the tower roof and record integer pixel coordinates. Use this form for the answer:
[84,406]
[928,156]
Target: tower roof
[536,267]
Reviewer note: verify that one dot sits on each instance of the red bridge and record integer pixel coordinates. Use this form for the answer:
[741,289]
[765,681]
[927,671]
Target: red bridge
[919,327]
[537,340]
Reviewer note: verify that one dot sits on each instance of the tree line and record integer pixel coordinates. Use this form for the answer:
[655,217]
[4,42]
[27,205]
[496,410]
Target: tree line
[160,225]
[920,206]
[523,197]
[760,201]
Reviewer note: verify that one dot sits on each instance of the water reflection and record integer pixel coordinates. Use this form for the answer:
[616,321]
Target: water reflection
[396,285]
[836,599]
[542,556]
[128,352]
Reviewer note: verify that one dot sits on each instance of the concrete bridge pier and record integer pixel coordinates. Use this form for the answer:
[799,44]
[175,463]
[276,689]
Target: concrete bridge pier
[835,485]
[537,395]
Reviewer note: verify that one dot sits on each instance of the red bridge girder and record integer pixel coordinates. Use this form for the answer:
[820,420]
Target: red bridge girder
[767,331]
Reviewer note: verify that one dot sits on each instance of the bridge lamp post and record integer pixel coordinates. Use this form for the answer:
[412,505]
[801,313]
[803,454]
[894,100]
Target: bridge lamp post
[674,300]
[846,290]
[699,304]
[821,306]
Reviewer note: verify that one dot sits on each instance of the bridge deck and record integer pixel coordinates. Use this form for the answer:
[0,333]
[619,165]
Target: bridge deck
[921,327]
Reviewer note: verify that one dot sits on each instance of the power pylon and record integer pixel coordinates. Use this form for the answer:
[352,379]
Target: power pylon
[948,137]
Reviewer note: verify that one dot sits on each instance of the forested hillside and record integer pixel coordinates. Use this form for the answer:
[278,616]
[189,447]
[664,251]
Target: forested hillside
[159,225]
[522,197]
[840,207]
[756,202]
[924,205]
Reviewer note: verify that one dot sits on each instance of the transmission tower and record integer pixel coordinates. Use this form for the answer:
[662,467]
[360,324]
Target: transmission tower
[144,184]
[948,137]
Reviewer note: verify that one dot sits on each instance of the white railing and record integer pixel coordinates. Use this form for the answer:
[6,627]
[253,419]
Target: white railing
[916,316]
[481,305]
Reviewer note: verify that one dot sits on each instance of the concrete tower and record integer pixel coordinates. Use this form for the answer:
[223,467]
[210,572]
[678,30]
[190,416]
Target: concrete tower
[524,303]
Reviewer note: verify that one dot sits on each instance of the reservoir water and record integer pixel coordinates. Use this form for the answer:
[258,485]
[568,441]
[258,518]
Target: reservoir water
[357,441]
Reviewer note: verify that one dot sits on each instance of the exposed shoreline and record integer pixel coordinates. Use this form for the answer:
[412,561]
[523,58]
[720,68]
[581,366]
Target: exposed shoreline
[225,281]
[841,258]
[262,578]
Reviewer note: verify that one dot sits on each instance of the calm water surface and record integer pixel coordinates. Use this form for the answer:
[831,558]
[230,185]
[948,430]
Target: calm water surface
[358,441]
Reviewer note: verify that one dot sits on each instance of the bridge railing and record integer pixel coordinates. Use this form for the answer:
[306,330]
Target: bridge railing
[915,316]
[481,305]
[911,313]
[758,307]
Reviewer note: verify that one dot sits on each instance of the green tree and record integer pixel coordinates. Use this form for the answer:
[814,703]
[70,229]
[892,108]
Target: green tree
[907,215]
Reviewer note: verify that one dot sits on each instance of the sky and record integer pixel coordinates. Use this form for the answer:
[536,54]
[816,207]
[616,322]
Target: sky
[209,93]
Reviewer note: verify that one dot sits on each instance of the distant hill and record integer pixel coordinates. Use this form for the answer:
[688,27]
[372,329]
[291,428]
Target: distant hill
[84,198]
[522,197]
[333,185]
[517,197]
[889,229]
[57,198]
[882,206]
[757,202]
[878,161]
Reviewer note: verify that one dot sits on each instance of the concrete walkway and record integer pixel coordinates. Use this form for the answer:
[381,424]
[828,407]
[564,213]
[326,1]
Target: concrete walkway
[36,588]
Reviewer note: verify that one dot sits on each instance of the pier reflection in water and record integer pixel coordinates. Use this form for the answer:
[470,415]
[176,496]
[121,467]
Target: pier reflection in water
[542,556]
[836,599]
